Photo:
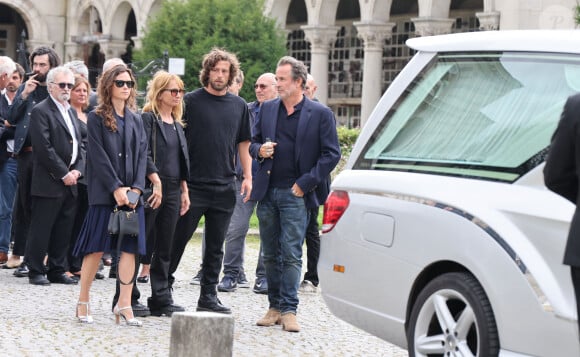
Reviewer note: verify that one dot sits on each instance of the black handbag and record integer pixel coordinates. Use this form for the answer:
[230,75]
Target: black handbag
[123,223]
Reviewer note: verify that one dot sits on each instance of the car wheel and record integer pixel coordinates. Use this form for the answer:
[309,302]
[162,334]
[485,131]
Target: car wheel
[452,316]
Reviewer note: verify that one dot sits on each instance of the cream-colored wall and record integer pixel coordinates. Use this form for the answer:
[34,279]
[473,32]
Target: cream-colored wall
[536,14]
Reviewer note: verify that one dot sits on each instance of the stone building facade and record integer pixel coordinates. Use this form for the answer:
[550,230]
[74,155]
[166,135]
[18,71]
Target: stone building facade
[354,48]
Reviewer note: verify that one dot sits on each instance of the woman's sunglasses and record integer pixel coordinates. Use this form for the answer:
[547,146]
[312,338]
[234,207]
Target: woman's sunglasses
[174,92]
[120,84]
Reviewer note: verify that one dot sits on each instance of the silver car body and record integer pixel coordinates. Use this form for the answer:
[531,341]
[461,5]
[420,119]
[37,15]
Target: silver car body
[403,227]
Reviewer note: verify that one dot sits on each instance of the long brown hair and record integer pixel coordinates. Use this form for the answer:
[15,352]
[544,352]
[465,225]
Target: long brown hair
[104,91]
[156,86]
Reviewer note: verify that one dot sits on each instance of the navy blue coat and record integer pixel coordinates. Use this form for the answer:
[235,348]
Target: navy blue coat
[317,150]
[102,153]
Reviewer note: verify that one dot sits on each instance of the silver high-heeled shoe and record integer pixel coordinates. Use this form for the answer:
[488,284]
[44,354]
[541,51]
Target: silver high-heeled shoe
[129,322]
[85,319]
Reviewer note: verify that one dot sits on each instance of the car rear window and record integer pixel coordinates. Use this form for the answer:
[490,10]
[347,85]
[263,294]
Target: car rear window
[480,115]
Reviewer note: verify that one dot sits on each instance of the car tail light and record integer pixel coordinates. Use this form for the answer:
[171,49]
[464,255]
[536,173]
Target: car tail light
[334,207]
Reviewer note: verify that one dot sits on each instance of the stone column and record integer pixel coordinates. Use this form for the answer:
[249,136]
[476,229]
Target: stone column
[320,38]
[373,36]
[427,26]
[71,51]
[113,48]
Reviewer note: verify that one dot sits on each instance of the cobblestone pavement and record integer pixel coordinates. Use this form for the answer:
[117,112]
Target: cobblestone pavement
[39,321]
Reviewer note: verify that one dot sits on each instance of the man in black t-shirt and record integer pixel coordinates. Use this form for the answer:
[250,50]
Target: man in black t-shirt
[217,127]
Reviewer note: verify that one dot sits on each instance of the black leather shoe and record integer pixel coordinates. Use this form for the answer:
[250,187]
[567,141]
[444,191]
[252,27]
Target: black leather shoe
[140,310]
[63,279]
[22,271]
[38,280]
[167,310]
[212,305]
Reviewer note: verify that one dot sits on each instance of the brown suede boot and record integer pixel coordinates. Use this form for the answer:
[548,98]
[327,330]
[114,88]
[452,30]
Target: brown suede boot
[289,323]
[271,318]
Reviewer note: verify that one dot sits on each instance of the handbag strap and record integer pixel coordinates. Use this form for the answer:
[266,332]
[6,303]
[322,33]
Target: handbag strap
[119,242]
[155,139]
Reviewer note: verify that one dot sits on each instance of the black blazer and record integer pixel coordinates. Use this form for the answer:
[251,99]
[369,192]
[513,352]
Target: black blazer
[103,151]
[317,150]
[562,171]
[152,124]
[52,149]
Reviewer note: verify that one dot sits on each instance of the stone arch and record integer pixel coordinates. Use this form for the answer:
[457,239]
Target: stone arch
[81,16]
[277,9]
[117,20]
[375,11]
[36,25]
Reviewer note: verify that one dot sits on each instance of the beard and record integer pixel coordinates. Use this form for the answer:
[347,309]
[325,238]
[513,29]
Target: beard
[41,77]
[64,97]
[218,87]
[11,88]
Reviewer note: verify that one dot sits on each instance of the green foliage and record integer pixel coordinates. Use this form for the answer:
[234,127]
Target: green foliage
[190,29]
[577,13]
[346,139]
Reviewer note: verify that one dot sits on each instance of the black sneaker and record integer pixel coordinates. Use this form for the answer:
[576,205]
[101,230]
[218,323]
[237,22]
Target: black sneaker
[243,281]
[228,284]
[22,271]
[261,286]
[196,280]
[167,310]
[140,310]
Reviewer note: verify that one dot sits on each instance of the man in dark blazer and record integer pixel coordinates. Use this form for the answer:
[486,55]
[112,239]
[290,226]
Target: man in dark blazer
[57,164]
[30,93]
[562,175]
[296,143]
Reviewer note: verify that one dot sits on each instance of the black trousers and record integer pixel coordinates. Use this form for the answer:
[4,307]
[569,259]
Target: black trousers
[53,221]
[160,225]
[22,203]
[576,283]
[216,203]
[312,246]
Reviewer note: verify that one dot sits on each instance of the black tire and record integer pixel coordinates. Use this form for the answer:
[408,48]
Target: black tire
[441,303]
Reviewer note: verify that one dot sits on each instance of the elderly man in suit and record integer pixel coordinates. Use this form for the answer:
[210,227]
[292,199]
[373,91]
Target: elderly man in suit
[57,164]
[296,143]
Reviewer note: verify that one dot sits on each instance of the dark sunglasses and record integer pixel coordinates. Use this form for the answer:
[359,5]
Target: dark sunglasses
[262,86]
[120,84]
[175,91]
[63,85]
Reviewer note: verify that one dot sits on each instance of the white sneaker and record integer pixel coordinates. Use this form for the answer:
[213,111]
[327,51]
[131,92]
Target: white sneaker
[307,287]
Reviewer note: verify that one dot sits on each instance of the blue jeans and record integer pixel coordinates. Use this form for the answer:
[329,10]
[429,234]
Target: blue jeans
[283,218]
[236,237]
[7,193]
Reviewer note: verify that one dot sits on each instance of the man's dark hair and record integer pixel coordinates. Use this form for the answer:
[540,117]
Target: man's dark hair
[20,71]
[53,58]
[299,69]
[212,58]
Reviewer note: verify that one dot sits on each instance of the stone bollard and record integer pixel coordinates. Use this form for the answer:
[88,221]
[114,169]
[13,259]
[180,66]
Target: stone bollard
[201,334]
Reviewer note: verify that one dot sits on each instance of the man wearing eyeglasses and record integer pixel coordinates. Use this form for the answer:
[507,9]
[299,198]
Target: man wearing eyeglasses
[57,164]
[30,93]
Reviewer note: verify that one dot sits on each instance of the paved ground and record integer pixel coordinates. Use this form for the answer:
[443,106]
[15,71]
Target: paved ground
[39,321]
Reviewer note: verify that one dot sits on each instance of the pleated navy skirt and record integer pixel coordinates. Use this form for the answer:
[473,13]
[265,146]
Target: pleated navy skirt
[94,236]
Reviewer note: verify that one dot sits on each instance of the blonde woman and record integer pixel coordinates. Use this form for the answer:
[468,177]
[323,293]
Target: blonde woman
[167,172]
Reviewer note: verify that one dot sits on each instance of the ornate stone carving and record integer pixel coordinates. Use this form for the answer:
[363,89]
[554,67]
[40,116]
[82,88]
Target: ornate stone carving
[425,26]
[320,37]
[374,34]
[488,21]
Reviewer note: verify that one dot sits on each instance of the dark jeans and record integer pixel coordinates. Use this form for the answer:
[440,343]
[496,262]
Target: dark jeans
[312,246]
[160,225]
[22,203]
[215,203]
[283,218]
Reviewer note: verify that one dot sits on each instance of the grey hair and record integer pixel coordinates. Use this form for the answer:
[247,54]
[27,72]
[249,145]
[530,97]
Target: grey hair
[78,67]
[7,65]
[57,70]
[112,62]
[299,69]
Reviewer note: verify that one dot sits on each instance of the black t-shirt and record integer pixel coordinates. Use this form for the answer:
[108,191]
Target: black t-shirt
[215,125]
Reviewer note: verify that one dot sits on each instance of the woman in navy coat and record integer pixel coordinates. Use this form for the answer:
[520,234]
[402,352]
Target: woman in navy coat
[117,152]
